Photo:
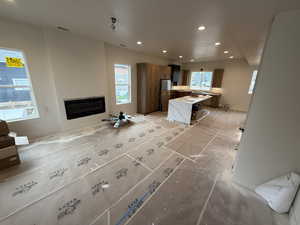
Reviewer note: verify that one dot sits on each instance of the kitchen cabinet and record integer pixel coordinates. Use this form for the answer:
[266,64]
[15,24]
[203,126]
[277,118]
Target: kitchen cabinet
[175,74]
[185,77]
[148,86]
[217,78]
[215,101]
[164,72]
[180,93]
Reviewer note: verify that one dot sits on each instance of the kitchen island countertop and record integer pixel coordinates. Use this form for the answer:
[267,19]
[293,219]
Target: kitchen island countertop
[180,109]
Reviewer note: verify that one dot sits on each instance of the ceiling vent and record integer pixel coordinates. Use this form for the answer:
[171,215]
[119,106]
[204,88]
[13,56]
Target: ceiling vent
[62,29]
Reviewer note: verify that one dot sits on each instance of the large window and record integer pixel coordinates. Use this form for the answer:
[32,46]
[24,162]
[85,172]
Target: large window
[122,84]
[201,80]
[16,95]
[253,80]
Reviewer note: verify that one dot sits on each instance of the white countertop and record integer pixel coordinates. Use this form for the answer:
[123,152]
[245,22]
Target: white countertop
[212,91]
[180,109]
[191,100]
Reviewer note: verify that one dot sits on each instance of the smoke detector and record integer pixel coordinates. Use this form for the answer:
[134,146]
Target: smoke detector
[113,23]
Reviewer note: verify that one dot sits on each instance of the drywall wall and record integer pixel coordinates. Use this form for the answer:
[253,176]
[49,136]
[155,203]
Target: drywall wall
[270,144]
[295,211]
[64,66]
[78,66]
[30,40]
[236,81]
[116,55]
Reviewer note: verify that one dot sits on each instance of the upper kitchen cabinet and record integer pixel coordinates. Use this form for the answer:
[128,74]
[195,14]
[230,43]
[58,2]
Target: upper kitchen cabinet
[175,74]
[165,72]
[185,77]
[217,78]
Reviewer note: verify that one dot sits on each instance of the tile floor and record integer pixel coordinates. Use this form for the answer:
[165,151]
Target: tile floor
[152,172]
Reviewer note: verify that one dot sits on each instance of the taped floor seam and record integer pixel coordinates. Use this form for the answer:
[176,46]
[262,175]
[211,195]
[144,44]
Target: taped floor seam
[207,200]
[156,191]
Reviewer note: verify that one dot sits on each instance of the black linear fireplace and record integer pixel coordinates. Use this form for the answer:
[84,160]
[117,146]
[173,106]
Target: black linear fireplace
[76,108]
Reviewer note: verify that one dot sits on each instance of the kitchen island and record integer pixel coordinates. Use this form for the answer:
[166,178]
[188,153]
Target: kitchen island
[181,109]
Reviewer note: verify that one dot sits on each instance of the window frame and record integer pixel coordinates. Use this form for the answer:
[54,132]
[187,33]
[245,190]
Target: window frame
[201,88]
[253,82]
[128,85]
[19,87]
[31,91]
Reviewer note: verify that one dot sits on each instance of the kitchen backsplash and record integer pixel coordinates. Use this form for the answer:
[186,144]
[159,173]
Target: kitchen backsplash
[213,90]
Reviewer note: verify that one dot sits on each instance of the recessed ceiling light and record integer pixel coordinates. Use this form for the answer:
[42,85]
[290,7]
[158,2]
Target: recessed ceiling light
[192,60]
[201,28]
[180,56]
[139,42]
[105,185]
[164,51]
[217,43]
[226,52]
[231,57]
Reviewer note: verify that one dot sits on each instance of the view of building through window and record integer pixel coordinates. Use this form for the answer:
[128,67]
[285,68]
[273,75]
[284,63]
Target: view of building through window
[16,96]
[122,84]
[201,80]
[253,80]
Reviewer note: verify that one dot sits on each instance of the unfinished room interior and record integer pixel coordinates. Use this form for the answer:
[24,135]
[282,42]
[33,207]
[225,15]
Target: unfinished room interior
[149,112]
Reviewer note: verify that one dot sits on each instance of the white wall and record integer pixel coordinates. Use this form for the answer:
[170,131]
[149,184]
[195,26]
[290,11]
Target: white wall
[79,69]
[63,65]
[31,41]
[270,145]
[236,81]
[116,55]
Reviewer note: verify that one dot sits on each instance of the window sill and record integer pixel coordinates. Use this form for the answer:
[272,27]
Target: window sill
[23,119]
[125,103]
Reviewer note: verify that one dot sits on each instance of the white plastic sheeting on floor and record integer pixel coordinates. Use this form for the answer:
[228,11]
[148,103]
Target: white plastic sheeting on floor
[280,192]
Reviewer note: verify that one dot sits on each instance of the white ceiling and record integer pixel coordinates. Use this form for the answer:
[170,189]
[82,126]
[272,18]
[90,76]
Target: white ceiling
[240,25]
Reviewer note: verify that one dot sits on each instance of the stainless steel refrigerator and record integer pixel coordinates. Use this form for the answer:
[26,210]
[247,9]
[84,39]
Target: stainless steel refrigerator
[165,94]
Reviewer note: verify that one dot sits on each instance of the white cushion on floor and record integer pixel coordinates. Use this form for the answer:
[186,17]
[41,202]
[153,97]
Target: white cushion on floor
[280,192]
